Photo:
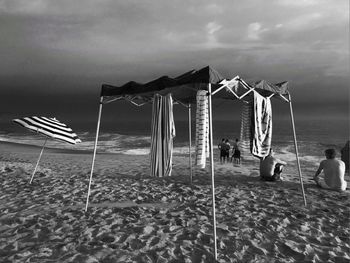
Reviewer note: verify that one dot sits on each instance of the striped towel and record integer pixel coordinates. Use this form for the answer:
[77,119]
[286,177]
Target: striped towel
[262,132]
[246,129]
[202,129]
[163,133]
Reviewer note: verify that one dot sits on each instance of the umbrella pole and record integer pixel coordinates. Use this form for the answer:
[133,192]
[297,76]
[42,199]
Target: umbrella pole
[94,155]
[296,149]
[190,141]
[212,167]
[37,163]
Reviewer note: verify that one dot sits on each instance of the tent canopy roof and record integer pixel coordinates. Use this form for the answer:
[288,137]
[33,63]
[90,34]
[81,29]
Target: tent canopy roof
[185,86]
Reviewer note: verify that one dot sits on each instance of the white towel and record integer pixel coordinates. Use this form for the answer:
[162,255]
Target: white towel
[163,132]
[202,129]
[262,133]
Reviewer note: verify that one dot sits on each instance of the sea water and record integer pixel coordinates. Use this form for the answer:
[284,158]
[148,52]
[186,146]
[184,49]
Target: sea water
[134,137]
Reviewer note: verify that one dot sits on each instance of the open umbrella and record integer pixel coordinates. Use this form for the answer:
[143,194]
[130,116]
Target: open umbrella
[49,127]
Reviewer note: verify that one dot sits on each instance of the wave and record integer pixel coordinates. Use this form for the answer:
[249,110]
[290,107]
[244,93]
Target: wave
[288,154]
[309,151]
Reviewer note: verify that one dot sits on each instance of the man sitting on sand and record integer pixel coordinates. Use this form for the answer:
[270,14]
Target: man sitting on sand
[271,168]
[333,170]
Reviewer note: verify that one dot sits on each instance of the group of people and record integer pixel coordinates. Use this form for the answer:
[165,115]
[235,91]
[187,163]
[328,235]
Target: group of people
[271,167]
[333,170]
[225,148]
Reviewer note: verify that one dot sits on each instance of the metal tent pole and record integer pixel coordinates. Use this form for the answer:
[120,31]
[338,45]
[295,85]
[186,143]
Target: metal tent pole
[296,148]
[190,141]
[94,155]
[37,163]
[212,166]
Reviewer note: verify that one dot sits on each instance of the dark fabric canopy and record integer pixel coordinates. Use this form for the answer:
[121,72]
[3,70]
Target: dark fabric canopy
[185,86]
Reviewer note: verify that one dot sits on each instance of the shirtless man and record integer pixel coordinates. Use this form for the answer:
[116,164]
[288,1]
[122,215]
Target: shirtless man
[271,168]
[333,170]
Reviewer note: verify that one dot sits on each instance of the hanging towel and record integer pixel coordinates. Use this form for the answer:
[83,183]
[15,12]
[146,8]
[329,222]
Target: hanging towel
[163,132]
[246,129]
[202,129]
[262,132]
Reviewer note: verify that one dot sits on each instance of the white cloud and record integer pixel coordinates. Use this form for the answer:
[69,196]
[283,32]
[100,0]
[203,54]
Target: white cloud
[254,30]
[279,26]
[211,29]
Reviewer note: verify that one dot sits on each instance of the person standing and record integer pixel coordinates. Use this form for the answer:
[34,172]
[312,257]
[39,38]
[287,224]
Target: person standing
[236,152]
[222,147]
[333,170]
[227,151]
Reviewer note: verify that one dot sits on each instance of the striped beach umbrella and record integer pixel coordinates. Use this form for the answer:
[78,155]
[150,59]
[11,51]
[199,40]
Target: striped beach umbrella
[50,127]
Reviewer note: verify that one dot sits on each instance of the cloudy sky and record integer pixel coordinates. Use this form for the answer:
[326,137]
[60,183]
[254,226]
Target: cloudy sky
[56,54]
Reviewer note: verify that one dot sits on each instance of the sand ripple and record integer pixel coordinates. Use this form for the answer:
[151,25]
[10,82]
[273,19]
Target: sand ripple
[163,220]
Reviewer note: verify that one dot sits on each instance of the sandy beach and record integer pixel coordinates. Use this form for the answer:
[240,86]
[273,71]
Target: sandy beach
[135,218]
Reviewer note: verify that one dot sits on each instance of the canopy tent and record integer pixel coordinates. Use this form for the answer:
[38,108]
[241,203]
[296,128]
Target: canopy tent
[183,89]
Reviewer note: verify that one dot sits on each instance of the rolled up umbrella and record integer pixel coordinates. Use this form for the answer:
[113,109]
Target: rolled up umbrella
[50,127]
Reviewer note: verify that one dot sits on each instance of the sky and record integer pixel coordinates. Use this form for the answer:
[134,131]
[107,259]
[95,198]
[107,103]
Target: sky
[55,55]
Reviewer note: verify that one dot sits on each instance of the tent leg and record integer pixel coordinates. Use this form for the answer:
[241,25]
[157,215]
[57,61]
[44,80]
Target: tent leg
[37,163]
[296,149]
[190,141]
[94,155]
[212,167]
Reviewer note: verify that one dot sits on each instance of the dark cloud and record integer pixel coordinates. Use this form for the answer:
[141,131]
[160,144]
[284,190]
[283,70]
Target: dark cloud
[55,54]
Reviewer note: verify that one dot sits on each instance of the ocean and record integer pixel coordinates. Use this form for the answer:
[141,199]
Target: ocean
[314,135]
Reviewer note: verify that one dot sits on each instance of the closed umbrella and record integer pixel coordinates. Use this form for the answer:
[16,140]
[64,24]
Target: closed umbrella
[50,127]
